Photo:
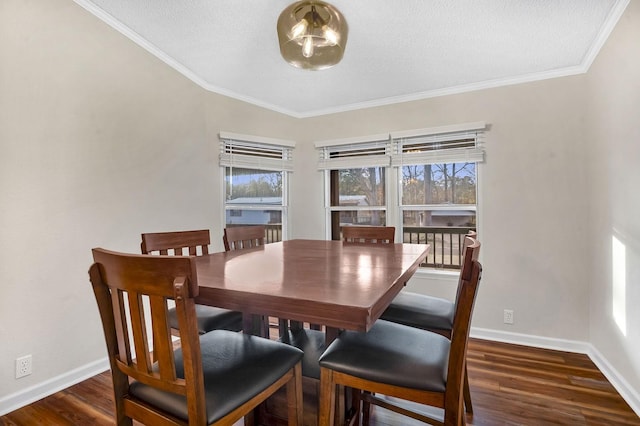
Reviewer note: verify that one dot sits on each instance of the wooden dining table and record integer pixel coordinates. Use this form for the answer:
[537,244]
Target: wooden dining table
[333,283]
[340,285]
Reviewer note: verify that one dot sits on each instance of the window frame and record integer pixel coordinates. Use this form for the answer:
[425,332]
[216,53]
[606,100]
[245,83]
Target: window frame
[352,153]
[393,205]
[331,191]
[255,161]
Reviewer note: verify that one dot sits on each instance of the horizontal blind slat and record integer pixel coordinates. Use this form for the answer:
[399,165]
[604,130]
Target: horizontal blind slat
[255,155]
[441,148]
[348,156]
[449,144]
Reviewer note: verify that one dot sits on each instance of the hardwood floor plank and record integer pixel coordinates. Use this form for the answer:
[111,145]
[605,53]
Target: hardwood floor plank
[534,364]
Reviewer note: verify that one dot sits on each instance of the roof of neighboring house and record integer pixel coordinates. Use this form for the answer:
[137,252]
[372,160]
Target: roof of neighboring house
[453,213]
[257,200]
[348,200]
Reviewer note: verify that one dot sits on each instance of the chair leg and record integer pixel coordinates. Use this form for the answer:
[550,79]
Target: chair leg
[454,415]
[340,405]
[356,402]
[366,410]
[466,392]
[294,397]
[327,400]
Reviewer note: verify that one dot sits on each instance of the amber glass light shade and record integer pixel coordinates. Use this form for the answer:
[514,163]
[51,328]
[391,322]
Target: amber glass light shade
[312,35]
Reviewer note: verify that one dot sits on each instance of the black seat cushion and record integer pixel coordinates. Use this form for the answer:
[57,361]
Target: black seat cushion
[312,343]
[420,311]
[236,368]
[393,354]
[211,318]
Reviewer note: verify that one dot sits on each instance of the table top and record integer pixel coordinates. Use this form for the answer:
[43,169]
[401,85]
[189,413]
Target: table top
[340,285]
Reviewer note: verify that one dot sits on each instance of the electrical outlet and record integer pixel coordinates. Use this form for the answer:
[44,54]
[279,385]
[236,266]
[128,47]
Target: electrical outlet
[23,366]
[508,316]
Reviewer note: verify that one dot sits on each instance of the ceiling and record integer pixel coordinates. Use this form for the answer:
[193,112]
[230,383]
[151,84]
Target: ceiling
[396,51]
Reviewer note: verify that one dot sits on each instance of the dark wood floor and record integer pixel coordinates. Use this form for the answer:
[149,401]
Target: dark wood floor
[510,385]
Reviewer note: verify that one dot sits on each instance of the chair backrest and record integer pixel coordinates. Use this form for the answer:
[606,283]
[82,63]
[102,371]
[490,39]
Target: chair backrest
[197,242]
[467,290]
[243,237]
[122,283]
[369,234]
[469,240]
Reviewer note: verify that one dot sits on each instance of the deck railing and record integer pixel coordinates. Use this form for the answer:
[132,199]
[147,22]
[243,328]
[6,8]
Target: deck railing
[273,232]
[446,244]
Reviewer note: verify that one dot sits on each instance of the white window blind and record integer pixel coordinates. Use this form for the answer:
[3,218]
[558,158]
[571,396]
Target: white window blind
[450,144]
[254,152]
[368,151]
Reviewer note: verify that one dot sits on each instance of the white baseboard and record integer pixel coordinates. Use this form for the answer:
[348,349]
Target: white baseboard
[34,393]
[530,340]
[630,395]
[618,381]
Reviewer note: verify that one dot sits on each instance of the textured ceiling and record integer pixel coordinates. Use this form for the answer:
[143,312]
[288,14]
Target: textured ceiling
[398,50]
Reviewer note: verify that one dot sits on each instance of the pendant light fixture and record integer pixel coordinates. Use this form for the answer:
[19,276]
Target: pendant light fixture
[312,35]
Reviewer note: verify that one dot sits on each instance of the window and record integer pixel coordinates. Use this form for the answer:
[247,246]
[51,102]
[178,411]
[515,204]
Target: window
[356,171]
[256,174]
[357,198]
[437,175]
[423,182]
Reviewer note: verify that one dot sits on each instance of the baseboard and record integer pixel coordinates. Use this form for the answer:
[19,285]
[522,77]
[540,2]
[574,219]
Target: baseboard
[34,393]
[531,340]
[618,381]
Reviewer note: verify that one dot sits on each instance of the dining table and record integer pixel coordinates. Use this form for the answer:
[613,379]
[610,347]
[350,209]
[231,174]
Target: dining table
[340,285]
[336,284]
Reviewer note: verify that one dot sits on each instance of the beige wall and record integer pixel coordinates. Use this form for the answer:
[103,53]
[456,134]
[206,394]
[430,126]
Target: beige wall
[614,198]
[532,196]
[100,141]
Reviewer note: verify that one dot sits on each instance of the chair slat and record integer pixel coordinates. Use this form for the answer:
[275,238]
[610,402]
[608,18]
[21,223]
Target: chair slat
[121,326]
[140,337]
[162,344]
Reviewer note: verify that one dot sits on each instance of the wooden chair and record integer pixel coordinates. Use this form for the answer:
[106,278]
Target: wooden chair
[194,242]
[369,234]
[429,368]
[429,313]
[243,237]
[215,378]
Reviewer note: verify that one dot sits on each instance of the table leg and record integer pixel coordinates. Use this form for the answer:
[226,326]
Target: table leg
[254,324]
